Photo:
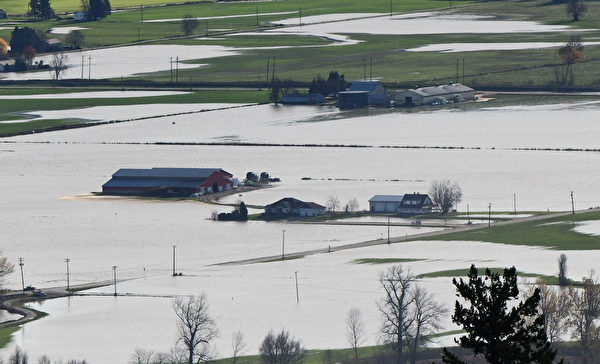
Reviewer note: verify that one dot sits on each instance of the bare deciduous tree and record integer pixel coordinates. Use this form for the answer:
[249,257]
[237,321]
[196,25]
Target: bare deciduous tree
[189,24]
[396,284]
[355,330]
[554,306]
[424,320]
[570,54]
[195,327]
[6,267]
[333,203]
[562,271]
[576,9]
[281,349]
[445,194]
[583,312]
[58,64]
[238,345]
[353,204]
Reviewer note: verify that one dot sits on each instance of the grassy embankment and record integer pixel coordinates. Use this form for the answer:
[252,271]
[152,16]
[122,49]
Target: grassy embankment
[11,108]
[553,233]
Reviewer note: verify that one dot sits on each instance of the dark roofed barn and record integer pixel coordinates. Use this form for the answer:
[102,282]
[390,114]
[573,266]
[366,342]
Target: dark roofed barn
[293,207]
[167,181]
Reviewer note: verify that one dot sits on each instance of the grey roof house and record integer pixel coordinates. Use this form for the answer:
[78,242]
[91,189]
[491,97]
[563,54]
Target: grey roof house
[426,95]
[293,207]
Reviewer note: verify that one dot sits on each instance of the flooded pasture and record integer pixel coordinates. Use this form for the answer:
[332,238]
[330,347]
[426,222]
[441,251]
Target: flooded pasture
[47,215]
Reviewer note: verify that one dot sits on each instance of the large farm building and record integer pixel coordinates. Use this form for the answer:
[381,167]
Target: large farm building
[168,181]
[426,95]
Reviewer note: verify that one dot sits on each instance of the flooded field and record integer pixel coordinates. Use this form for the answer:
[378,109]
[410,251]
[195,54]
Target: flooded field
[125,61]
[47,215]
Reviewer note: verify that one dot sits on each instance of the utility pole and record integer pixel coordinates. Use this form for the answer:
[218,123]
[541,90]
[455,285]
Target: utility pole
[138,35]
[283,245]
[174,274]
[515,203]
[489,214]
[300,16]
[177,69]
[171,62]
[468,216]
[456,71]
[390,8]
[115,278]
[141,14]
[463,70]
[257,16]
[371,69]
[268,67]
[273,75]
[21,264]
[89,67]
[82,65]
[364,68]
[297,296]
[572,204]
[388,230]
[67,260]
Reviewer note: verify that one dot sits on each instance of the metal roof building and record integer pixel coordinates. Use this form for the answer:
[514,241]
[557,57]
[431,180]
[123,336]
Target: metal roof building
[165,181]
[377,95]
[385,203]
[425,95]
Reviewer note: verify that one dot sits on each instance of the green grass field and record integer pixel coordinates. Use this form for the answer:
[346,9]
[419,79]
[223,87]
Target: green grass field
[552,233]
[6,335]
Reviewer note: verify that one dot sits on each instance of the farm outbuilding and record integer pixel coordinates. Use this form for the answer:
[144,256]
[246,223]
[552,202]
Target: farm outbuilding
[303,99]
[293,207]
[353,99]
[377,95]
[385,203]
[168,181]
[426,95]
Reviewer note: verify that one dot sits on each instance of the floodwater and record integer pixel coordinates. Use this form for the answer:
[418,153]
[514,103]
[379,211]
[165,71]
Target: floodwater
[126,61]
[47,215]
[472,47]
[418,23]
[119,112]
[65,30]
[588,227]
[92,94]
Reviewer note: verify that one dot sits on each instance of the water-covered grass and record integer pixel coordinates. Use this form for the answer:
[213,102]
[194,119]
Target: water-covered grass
[11,108]
[553,232]
[383,260]
[6,335]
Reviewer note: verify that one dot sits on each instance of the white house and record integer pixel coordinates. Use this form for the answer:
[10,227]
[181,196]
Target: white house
[425,95]
[80,15]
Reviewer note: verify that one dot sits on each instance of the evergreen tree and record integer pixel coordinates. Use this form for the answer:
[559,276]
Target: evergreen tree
[45,10]
[501,335]
[98,9]
[21,38]
[34,9]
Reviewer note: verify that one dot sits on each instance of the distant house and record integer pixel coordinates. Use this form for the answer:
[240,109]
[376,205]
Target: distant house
[377,95]
[426,95]
[415,204]
[80,15]
[49,45]
[293,207]
[408,204]
[385,203]
[2,14]
[168,181]
[303,99]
